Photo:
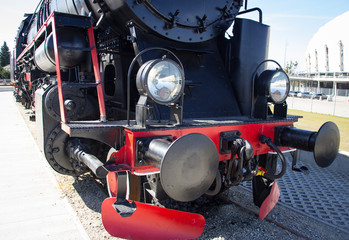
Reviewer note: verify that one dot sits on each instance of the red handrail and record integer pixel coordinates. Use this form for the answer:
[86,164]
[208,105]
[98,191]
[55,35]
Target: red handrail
[51,20]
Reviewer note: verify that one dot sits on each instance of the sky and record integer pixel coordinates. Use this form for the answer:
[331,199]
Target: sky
[293,23]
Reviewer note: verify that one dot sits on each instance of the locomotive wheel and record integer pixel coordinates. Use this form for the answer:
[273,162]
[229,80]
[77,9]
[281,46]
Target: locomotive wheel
[57,155]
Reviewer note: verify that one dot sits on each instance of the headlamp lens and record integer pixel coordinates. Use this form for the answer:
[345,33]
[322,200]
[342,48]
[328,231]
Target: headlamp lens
[165,81]
[279,87]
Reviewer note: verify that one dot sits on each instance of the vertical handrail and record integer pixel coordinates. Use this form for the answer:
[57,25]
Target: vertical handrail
[58,68]
[99,87]
[97,73]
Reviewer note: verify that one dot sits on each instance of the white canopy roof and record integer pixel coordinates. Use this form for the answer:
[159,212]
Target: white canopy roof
[333,36]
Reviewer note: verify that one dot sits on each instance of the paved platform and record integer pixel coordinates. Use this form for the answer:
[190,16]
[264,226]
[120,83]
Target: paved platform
[31,204]
[320,193]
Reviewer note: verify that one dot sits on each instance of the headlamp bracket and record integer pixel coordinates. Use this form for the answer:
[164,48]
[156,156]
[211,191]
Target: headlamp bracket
[143,108]
[262,109]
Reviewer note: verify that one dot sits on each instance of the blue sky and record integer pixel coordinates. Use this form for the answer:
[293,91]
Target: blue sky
[293,23]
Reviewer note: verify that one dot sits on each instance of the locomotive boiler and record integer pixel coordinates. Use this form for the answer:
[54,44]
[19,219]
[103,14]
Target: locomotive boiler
[159,99]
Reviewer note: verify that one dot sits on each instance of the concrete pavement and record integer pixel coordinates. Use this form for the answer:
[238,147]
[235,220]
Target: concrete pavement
[31,205]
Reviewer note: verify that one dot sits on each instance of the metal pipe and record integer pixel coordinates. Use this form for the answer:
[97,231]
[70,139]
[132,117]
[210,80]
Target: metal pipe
[91,161]
[324,143]
[252,10]
[297,138]
[156,151]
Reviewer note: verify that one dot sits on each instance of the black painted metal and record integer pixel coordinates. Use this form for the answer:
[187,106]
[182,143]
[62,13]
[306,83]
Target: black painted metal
[208,91]
[297,138]
[121,205]
[226,141]
[280,110]
[110,132]
[156,151]
[260,14]
[56,153]
[324,143]
[22,33]
[81,106]
[219,91]
[241,55]
[184,21]
[44,122]
[214,88]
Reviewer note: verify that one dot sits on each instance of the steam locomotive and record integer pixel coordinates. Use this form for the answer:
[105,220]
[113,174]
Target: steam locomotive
[161,101]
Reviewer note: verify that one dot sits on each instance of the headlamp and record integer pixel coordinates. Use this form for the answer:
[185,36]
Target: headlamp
[274,84]
[279,87]
[162,80]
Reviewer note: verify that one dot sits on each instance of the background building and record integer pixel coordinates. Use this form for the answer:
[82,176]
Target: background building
[328,50]
[327,60]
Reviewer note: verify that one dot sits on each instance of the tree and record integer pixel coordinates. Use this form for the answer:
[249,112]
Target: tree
[4,74]
[4,55]
[291,67]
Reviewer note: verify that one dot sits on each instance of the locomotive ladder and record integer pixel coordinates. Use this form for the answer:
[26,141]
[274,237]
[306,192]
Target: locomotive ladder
[98,130]
[62,19]
[59,19]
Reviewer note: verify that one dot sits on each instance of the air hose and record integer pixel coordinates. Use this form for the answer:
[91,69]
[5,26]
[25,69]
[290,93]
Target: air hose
[265,140]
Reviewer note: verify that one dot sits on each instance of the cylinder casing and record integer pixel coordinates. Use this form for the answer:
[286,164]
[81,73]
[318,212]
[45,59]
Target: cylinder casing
[71,45]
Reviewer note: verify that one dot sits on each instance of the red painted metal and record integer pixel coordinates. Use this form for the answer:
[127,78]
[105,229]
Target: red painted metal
[58,68]
[38,35]
[65,128]
[28,78]
[97,73]
[270,202]
[151,222]
[249,132]
[112,181]
[51,21]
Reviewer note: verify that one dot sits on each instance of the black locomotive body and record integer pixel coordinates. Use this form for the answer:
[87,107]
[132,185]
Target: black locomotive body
[158,98]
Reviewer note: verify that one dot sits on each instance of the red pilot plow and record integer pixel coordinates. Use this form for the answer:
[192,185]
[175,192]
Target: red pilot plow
[151,222]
